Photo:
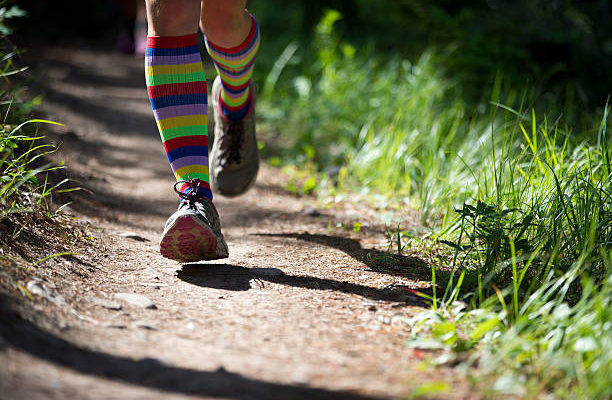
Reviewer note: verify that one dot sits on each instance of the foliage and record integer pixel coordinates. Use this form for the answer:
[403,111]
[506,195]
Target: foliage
[560,48]
[546,346]
[24,184]
[7,13]
[532,232]
[540,247]
[369,135]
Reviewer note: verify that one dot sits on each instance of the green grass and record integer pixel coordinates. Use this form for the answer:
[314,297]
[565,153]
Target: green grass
[24,183]
[521,199]
[537,245]
[397,126]
[546,347]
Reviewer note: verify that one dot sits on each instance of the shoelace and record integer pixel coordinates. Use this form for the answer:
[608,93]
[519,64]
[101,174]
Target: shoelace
[193,195]
[232,141]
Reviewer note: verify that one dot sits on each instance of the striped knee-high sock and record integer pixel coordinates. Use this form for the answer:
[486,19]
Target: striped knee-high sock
[177,90]
[235,66]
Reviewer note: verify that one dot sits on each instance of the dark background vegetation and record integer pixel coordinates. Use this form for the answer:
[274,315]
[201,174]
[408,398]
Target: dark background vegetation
[557,47]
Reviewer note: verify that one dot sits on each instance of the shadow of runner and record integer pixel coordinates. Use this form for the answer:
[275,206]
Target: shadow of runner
[150,373]
[380,261]
[236,278]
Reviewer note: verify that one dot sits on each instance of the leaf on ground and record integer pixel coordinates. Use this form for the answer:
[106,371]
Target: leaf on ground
[430,388]
[425,343]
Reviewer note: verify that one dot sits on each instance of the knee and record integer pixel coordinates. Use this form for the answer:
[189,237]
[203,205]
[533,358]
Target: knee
[173,17]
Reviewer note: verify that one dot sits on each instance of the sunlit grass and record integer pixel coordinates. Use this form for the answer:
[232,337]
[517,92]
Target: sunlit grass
[522,199]
[24,183]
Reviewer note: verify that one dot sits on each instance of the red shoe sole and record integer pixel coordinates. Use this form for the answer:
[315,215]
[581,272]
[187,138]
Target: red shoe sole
[188,241]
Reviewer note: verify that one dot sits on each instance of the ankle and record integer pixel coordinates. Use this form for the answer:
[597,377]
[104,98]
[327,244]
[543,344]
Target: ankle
[235,113]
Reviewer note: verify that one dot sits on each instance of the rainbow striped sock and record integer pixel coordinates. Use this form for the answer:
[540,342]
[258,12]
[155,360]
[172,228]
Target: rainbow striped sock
[177,89]
[235,66]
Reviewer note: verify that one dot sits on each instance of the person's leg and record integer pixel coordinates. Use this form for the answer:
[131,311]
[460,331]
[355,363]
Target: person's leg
[172,17]
[177,90]
[177,86]
[225,22]
[232,41]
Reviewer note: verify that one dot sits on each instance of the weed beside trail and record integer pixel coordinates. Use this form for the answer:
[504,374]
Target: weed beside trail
[522,200]
[29,222]
[22,149]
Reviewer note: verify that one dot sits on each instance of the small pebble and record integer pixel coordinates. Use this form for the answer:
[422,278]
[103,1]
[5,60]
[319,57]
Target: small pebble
[37,288]
[136,300]
[40,289]
[116,326]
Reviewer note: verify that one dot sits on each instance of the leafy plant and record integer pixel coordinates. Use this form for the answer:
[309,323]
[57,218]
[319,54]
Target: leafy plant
[22,149]
[531,235]
[7,13]
[544,346]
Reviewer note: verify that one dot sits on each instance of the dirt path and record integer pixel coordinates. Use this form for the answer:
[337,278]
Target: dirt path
[298,311]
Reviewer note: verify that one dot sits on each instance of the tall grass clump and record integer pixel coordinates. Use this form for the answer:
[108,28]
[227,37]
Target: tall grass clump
[537,245]
[545,348]
[541,198]
[24,184]
[532,244]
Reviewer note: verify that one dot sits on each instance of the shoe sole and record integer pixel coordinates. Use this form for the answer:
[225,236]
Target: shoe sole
[187,240]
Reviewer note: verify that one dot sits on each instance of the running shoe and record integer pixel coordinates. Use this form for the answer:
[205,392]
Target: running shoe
[193,232]
[234,155]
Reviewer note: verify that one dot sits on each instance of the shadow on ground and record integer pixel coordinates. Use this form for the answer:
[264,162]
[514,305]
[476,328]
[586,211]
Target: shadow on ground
[236,278]
[380,261]
[150,373]
[411,267]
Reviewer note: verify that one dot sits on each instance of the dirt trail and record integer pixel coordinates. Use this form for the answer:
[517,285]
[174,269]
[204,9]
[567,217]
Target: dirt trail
[298,311]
